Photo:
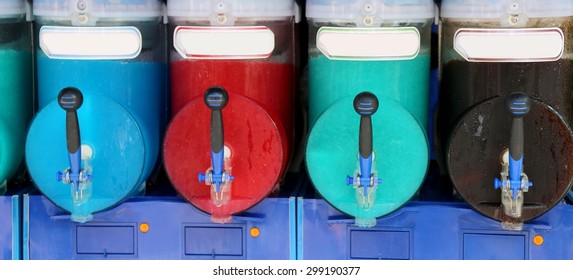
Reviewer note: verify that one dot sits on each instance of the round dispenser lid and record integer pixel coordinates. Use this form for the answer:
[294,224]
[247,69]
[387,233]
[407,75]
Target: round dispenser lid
[99,8]
[237,8]
[384,9]
[10,8]
[495,9]
[116,142]
[478,141]
[256,154]
[401,156]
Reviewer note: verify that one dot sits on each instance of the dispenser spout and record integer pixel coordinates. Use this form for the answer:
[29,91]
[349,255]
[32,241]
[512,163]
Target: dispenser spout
[71,99]
[365,181]
[216,98]
[514,182]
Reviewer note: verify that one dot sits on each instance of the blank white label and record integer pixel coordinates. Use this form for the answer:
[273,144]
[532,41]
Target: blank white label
[240,42]
[509,45]
[349,43]
[90,42]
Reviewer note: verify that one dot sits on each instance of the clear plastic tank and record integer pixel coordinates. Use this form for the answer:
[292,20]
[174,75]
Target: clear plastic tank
[383,48]
[112,55]
[492,53]
[243,50]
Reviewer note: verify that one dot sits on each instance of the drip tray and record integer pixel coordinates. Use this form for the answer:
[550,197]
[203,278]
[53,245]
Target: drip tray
[380,244]
[214,241]
[490,246]
[106,240]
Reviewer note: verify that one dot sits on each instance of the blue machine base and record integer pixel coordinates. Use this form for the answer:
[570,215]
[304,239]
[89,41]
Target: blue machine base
[424,230]
[9,228]
[159,228]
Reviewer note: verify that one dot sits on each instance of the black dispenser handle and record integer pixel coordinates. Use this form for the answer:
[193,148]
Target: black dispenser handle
[365,104]
[71,99]
[518,104]
[216,99]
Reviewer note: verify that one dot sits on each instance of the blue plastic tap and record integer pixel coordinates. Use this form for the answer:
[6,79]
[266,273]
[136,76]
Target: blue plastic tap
[216,98]
[518,104]
[71,99]
[365,104]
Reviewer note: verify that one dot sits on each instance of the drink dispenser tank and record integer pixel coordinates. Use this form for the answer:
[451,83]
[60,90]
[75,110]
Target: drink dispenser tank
[369,67]
[101,81]
[15,86]
[505,105]
[232,93]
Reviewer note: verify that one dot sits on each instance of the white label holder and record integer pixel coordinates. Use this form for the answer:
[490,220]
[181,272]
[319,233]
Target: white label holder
[510,45]
[235,42]
[381,43]
[90,43]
